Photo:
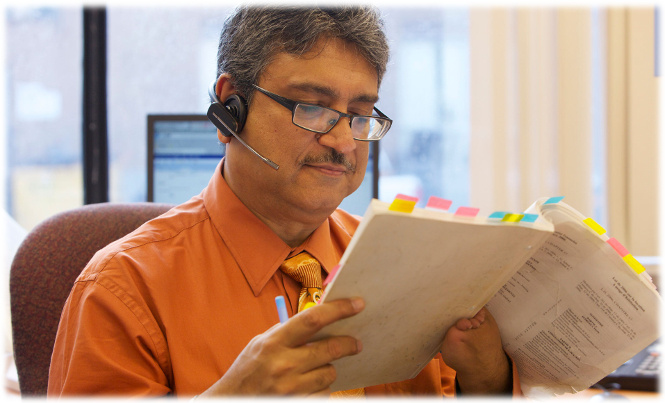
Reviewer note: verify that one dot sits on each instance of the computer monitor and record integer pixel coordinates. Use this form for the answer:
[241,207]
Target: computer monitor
[183,151]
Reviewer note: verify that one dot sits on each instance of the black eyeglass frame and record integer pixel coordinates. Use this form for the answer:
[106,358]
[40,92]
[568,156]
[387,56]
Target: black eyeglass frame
[291,105]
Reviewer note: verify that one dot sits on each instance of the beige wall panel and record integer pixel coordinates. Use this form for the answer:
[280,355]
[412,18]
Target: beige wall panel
[617,147]
[481,155]
[538,104]
[513,178]
[528,138]
[574,107]
[500,87]
[642,134]
[547,101]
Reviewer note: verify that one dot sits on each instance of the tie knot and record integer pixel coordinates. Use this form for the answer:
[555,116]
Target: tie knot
[304,269]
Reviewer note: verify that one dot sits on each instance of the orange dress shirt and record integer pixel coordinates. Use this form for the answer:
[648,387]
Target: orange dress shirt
[169,307]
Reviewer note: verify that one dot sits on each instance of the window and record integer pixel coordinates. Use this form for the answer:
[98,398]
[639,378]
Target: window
[160,60]
[44,78]
[426,93]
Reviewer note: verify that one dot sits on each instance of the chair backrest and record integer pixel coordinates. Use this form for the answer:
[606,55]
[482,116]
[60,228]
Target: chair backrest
[44,270]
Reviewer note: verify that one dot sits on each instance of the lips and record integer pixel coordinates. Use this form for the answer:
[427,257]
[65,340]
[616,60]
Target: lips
[335,170]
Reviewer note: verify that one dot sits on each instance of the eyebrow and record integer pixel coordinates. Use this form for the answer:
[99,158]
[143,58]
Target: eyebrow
[331,93]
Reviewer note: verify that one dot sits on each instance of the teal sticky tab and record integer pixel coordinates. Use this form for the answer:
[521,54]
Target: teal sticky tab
[530,218]
[498,214]
[553,200]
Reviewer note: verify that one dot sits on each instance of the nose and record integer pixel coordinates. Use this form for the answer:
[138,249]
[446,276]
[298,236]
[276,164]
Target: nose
[339,137]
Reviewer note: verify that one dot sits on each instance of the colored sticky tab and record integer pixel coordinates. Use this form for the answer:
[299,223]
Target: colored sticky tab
[331,275]
[467,211]
[633,263]
[401,205]
[513,217]
[552,200]
[530,218]
[594,226]
[438,203]
[407,198]
[618,247]
[498,214]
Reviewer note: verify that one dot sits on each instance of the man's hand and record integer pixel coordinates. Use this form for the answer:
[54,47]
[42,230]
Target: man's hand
[281,362]
[473,348]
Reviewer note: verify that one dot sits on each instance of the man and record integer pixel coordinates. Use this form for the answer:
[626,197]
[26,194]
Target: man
[185,305]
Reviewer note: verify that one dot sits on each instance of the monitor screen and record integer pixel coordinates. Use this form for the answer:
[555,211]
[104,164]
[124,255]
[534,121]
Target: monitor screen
[183,152]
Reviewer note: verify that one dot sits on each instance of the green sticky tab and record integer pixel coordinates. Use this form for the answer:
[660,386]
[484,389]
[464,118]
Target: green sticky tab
[595,226]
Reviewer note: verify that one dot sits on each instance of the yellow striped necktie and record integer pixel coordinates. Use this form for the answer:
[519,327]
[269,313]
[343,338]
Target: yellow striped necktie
[306,270]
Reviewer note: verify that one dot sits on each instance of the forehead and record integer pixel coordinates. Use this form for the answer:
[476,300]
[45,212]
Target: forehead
[331,63]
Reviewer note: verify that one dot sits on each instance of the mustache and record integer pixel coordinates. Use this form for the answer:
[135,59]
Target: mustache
[332,157]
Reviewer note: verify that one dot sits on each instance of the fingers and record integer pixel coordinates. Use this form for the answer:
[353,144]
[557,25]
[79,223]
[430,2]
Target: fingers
[473,323]
[301,327]
[322,352]
[319,380]
[480,316]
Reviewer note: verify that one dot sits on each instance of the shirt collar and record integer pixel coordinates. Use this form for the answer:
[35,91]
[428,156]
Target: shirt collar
[255,247]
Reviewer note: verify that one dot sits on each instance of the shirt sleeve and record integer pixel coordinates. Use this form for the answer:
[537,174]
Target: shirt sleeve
[105,347]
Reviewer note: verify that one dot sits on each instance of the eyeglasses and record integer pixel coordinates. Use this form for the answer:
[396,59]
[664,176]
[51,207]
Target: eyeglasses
[319,119]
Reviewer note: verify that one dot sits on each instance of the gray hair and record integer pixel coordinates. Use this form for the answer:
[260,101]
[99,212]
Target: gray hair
[253,35]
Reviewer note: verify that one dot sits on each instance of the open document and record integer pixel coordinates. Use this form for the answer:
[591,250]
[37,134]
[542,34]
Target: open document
[575,311]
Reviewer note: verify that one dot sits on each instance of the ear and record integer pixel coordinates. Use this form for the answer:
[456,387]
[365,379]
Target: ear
[224,89]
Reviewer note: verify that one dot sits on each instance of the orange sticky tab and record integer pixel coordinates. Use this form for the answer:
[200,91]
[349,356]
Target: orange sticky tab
[513,217]
[438,203]
[617,247]
[403,206]
[407,198]
[594,226]
[633,263]
[467,211]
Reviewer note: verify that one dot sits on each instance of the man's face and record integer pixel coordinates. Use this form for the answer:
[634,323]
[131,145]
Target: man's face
[316,170]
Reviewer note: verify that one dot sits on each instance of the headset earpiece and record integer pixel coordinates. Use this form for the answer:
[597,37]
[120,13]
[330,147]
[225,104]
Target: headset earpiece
[230,118]
[237,107]
[233,113]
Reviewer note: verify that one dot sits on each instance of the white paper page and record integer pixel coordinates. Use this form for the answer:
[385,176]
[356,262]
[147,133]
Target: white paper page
[419,273]
[574,312]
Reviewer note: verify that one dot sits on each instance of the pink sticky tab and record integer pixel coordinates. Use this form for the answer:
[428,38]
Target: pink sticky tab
[618,247]
[438,203]
[331,275]
[467,211]
[407,198]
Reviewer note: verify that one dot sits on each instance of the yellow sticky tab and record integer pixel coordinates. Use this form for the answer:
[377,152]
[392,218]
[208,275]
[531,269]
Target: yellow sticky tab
[595,226]
[633,263]
[513,217]
[403,206]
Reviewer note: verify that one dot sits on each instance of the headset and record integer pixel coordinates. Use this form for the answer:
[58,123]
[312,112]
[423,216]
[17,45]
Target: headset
[230,118]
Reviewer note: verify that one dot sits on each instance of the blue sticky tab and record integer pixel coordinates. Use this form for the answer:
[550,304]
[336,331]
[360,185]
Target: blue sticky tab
[530,218]
[498,214]
[553,200]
